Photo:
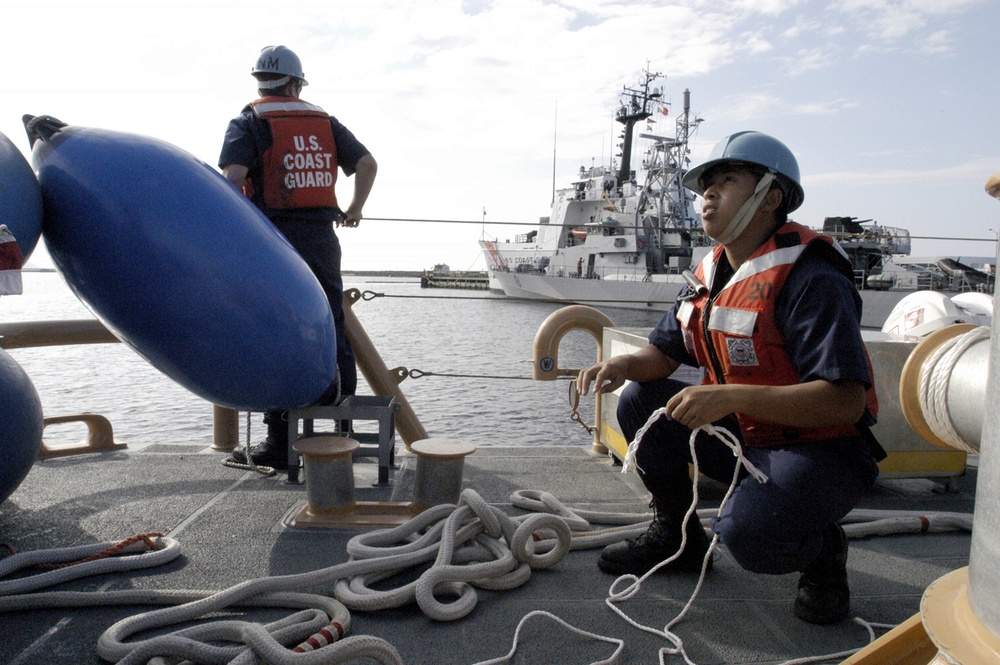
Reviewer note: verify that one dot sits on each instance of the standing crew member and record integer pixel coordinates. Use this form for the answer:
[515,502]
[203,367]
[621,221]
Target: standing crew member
[777,331]
[284,153]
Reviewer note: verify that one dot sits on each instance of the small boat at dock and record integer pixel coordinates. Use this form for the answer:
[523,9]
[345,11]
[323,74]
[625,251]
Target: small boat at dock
[442,277]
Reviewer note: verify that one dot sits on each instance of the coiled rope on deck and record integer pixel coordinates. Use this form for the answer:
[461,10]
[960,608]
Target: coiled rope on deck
[935,376]
[467,544]
[472,543]
[71,563]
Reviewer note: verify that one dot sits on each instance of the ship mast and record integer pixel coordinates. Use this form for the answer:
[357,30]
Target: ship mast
[664,209]
[685,197]
[637,104]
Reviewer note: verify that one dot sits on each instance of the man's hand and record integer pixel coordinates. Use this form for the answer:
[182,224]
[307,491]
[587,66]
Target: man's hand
[364,178]
[351,218]
[696,406]
[607,376]
[646,364]
[816,403]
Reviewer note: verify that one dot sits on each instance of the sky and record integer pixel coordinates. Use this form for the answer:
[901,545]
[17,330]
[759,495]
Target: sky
[470,106]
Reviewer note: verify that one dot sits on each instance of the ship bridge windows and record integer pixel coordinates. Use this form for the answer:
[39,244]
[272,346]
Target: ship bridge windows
[611,227]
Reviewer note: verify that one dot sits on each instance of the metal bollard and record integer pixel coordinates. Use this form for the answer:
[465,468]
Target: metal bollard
[329,474]
[439,471]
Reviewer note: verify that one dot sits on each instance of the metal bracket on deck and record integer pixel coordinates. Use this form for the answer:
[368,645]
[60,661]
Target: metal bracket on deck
[100,436]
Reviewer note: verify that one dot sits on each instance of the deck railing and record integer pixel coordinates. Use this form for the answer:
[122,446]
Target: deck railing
[225,432]
[28,334]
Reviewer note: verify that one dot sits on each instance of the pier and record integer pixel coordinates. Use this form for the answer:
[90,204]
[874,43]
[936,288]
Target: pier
[455,280]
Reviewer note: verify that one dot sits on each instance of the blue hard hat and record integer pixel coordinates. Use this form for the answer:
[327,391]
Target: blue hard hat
[753,148]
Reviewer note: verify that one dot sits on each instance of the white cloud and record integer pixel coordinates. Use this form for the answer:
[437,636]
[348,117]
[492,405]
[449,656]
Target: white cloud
[807,60]
[765,7]
[894,21]
[822,107]
[974,170]
[457,98]
[938,43]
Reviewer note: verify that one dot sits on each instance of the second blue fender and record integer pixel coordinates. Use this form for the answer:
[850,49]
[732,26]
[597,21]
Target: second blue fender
[20,198]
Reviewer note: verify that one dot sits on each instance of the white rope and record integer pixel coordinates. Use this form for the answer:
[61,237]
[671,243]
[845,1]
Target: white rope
[321,621]
[883,523]
[840,655]
[137,556]
[580,521]
[633,447]
[470,544]
[934,379]
[866,522]
[540,613]
[614,596]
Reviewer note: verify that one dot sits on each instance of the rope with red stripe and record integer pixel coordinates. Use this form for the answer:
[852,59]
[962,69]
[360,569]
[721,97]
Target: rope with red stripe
[114,550]
[321,639]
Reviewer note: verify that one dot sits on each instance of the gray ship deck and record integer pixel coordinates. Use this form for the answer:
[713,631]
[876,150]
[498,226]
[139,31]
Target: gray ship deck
[229,524]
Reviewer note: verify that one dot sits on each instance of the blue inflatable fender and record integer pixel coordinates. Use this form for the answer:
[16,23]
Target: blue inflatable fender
[20,425]
[180,266]
[20,198]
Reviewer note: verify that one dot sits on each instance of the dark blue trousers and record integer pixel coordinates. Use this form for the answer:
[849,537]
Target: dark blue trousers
[319,246]
[773,527]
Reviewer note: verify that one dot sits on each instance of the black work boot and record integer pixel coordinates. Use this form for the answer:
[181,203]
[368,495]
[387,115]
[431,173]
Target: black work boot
[273,450]
[824,596]
[661,541]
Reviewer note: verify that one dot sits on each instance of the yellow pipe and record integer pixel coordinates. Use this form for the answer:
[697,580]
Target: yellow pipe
[906,644]
[225,428]
[27,334]
[546,350]
[378,376]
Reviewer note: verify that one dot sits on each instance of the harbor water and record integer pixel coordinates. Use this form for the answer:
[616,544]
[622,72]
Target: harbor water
[475,349]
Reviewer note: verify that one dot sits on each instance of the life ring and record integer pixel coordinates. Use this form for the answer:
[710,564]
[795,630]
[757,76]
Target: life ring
[590,184]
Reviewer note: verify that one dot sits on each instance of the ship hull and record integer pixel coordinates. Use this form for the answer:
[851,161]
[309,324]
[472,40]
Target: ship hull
[598,293]
[650,295]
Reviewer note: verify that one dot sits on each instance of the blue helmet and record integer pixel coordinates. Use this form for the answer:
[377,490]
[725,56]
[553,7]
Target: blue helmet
[753,148]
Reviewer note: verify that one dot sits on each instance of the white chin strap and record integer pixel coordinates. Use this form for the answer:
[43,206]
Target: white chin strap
[747,212]
[276,83]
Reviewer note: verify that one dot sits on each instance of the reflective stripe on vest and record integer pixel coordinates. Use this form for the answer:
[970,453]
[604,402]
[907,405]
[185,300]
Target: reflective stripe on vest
[742,339]
[300,167]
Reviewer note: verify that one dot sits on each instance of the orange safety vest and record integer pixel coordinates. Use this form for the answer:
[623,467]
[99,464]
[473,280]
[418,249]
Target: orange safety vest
[300,167]
[11,261]
[740,342]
